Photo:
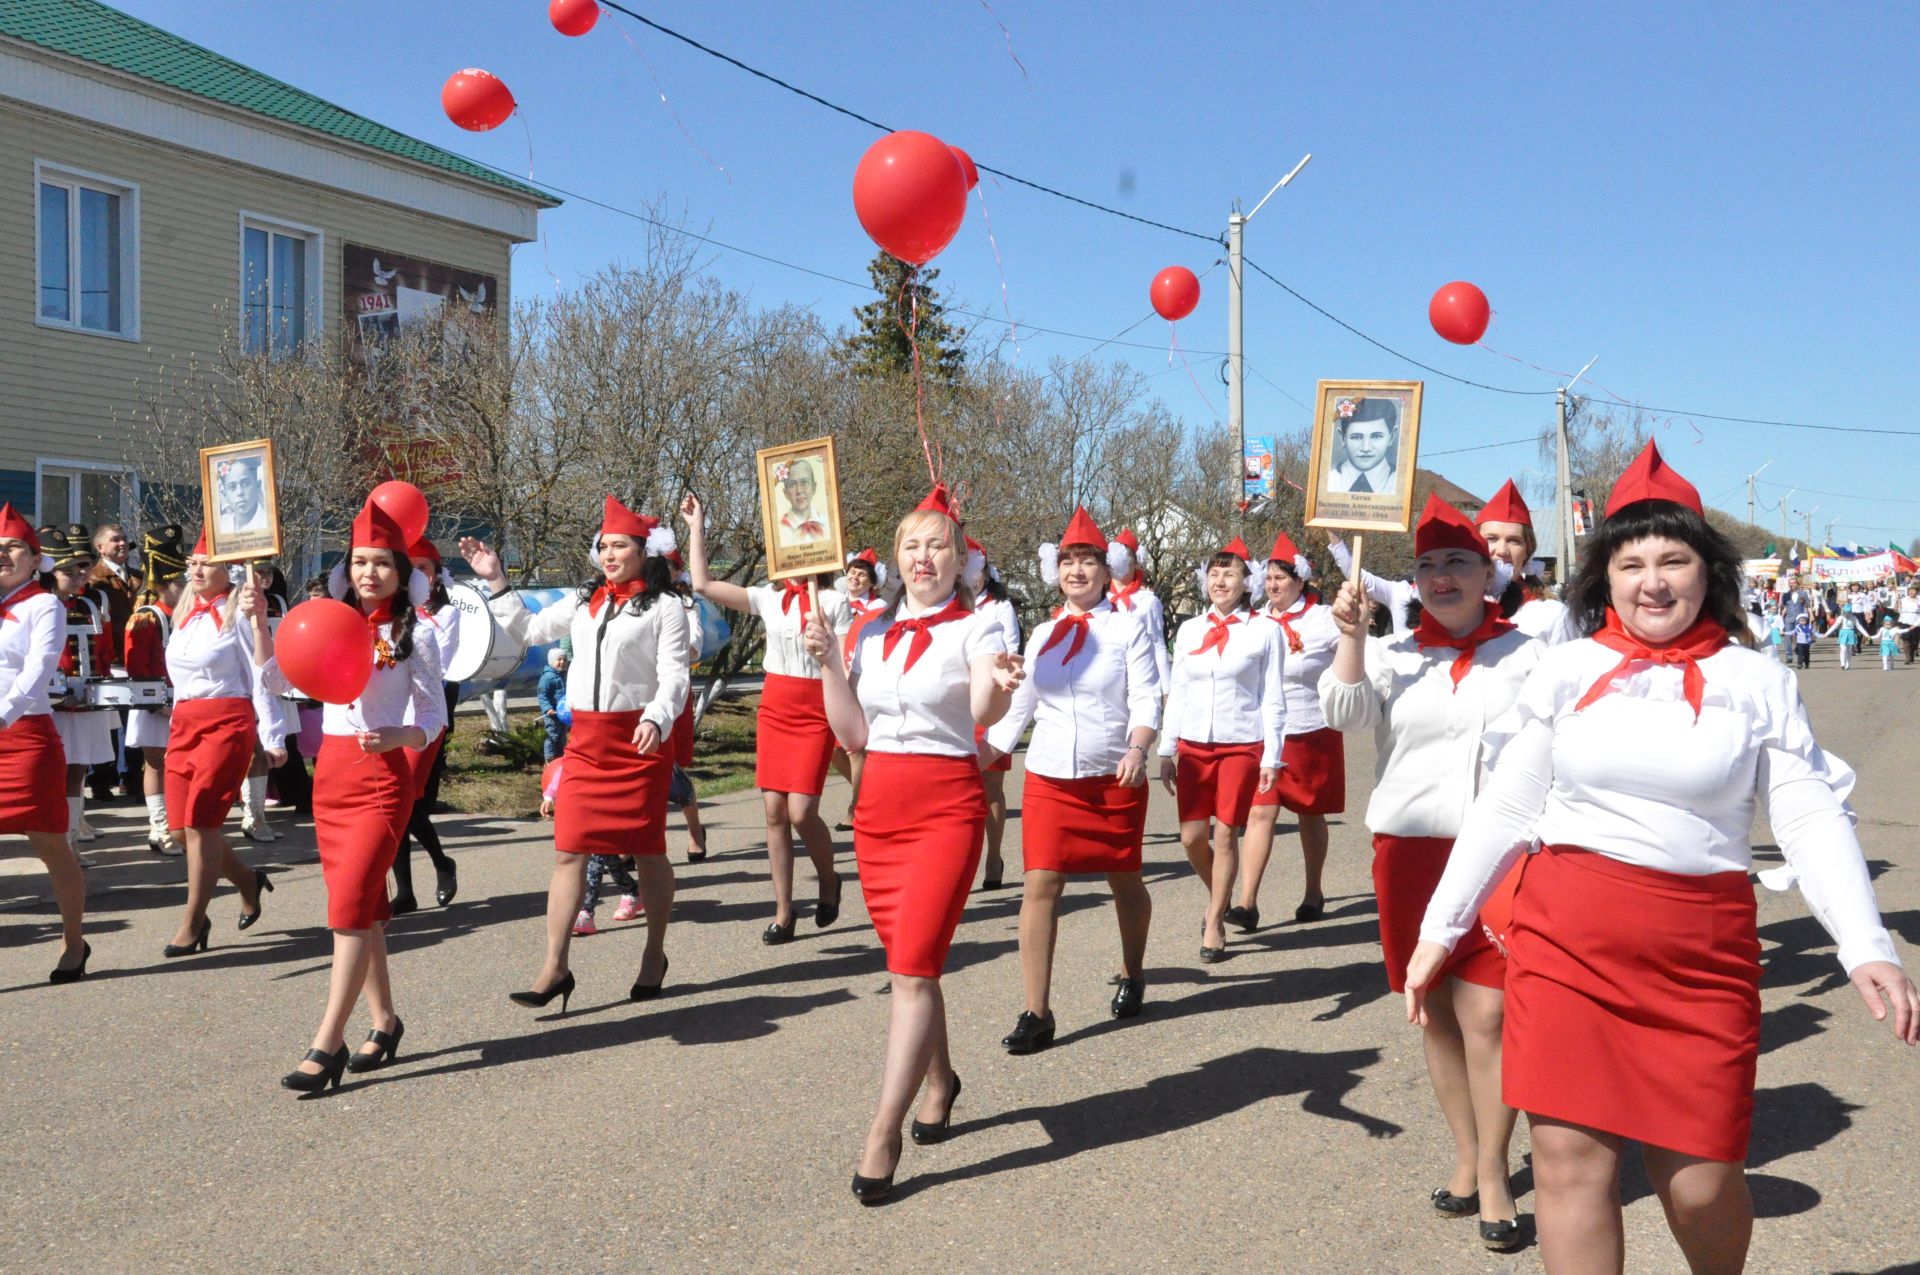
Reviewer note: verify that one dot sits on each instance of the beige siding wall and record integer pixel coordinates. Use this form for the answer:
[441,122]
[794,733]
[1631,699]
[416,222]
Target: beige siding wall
[62,393]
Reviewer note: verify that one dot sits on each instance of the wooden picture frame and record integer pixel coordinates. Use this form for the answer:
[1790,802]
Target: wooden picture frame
[1367,486]
[801,524]
[240,501]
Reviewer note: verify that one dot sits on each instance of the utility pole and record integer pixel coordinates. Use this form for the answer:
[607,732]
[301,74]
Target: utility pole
[1750,477]
[1236,330]
[1783,512]
[1564,479]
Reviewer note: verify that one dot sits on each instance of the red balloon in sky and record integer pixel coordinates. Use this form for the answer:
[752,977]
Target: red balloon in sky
[573,17]
[1459,312]
[324,649]
[910,194]
[1175,292]
[476,100]
[405,505]
[966,166]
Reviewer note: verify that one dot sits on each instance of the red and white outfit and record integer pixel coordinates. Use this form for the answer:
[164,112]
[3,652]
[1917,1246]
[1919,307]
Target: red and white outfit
[922,807]
[682,741]
[149,629]
[793,745]
[441,630]
[33,765]
[1539,616]
[1313,755]
[626,669]
[1132,597]
[997,613]
[223,709]
[1428,698]
[1633,1000]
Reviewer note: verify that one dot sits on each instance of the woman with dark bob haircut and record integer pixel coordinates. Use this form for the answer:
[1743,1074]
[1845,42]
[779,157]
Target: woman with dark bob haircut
[1634,757]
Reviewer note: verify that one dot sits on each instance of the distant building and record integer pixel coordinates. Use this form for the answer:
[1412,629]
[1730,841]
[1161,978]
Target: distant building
[157,198]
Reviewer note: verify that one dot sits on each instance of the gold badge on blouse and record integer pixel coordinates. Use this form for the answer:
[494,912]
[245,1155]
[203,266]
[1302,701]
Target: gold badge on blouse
[383,654]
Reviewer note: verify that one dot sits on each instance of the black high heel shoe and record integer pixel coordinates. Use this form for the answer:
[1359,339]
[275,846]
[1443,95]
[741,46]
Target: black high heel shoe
[199,943]
[1246,920]
[260,892]
[332,1066]
[1129,997]
[403,904]
[872,1190]
[447,875]
[1307,913]
[775,934]
[540,1000]
[827,913]
[388,1049]
[648,991]
[1031,1033]
[925,1134]
[994,880]
[78,972]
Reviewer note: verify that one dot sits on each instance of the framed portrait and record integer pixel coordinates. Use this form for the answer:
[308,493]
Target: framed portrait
[1366,439]
[240,500]
[800,509]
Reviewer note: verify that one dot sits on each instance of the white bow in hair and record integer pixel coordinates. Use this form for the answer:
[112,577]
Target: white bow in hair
[1049,555]
[419,588]
[337,581]
[1502,576]
[45,564]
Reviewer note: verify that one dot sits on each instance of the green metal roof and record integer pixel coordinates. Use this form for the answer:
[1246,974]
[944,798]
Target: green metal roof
[104,36]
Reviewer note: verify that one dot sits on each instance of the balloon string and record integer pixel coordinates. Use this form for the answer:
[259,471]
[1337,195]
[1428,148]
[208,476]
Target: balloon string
[660,88]
[1665,421]
[1013,329]
[911,295]
[1009,37]
[546,257]
[1173,348]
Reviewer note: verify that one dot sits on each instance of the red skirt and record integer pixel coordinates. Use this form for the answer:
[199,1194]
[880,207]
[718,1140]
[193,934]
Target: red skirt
[420,763]
[611,800]
[1313,777]
[360,804]
[33,777]
[682,737]
[1633,1002]
[210,744]
[1004,764]
[793,745]
[1216,781]
[1081,825]
[1406,871]
[916,841]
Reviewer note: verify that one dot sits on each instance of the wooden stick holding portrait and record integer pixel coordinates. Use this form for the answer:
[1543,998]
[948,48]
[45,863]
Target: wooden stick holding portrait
[1366,442]
[240,502]
[800,508]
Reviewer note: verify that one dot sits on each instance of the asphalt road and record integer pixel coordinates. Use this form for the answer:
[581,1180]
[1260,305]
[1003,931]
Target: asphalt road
[1270,1112]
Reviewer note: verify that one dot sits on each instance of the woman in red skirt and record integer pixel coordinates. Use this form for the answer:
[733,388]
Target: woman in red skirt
[222,712]
[1313,778]
[1225,716]
[33,768]
[1635,757]
[148,630]
[793,745]
[363,787]
[1428,696]
[1092,694]
[995,607]
[626,685]
[924,674]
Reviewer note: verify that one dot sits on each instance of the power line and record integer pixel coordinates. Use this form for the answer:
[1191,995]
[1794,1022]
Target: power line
[1681,413]
[1846,495]
[1483,447]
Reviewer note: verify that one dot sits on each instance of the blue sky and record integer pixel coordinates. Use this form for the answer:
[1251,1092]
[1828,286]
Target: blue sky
[1718,200]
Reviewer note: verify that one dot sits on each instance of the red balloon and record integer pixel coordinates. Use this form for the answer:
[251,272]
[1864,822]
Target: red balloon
[405,505]
[910,195]
[966,166]
[573,17]
[476,100]
[1175,292]
[324,650]
[1459,312]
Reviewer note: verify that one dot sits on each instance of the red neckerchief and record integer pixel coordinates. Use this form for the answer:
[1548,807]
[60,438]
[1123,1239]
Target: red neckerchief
[621,594]
[205,606]
[1216,639]
[1122,594]
[1285,621]
[1431,632]
[864,607]
[1701,639]
[1064,624]
[921,629]
[382,613]
[31,589]
[791,589]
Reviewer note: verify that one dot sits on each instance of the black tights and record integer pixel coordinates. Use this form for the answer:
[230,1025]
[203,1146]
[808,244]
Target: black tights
[420,821]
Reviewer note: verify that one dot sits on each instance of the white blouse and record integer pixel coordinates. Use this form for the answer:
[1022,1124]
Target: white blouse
[928,709]
[1235,695]
[1319,635]
[1548,619]
[621,662]
[1144,605]
[31,637]
[786,629]
[211,657]
[1000,613]
[1426,731]
[1083,709]
[440,630]
[1635,777]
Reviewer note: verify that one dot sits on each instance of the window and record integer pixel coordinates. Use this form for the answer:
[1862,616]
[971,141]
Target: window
[279,281]
[76,492]
[89,233]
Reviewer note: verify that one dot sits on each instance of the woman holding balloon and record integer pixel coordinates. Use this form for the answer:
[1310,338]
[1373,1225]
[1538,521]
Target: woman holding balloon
[627,682]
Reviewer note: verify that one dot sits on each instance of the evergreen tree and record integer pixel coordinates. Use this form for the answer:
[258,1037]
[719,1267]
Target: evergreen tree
[879,346]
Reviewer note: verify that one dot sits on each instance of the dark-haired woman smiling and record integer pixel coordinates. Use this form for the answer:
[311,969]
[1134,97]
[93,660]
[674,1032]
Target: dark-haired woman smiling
[1633,1004]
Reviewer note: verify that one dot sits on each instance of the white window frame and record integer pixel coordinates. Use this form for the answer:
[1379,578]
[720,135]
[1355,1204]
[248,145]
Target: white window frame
[129,499]
[315,272]
[74,179]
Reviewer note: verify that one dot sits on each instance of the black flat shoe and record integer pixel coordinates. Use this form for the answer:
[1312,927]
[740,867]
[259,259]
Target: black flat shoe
[387,1049]
[260,891]
[1501,1237]
[1308,912]
[647,991]
[332,1067]
[1246,920]
[447,879]
[1212,955]
[927,1134]
[540,1000]
[1129,997]
[404,903]
[872,1190]
[1455,1205]
[199,943]
[1031,1033]
[775,934]
[78,972]
[827,913]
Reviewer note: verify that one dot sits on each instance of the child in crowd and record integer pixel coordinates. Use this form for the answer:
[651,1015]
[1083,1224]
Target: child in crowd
[1776,633]
[1803,635]
[599,867]
[1846,626]
[1889,636]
